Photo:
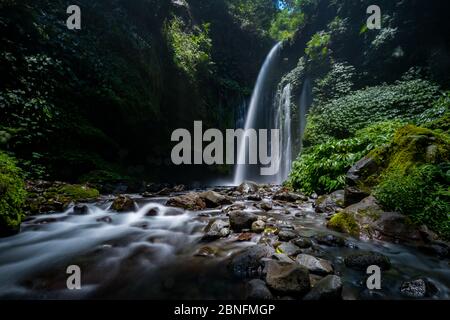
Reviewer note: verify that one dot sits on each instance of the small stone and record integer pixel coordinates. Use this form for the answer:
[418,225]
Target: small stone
[286,235]
[258,226]
[80,210]
[287,278]
[419,288]
[123,204]
[302,243]
[289,249]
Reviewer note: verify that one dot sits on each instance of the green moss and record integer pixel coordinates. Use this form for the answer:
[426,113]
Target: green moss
[12,193]
[344,222]
[78,192]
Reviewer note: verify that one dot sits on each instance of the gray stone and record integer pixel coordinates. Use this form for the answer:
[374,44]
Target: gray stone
[287,278]
[240,220]
[314,265]
[257,290]
[328,288]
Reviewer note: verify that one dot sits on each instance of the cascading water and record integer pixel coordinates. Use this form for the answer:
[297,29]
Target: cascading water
[255,116]
[283,122]
[304,104]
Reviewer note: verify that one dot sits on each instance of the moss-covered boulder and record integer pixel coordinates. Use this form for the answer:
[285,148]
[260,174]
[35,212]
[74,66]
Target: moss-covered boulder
[12,195]
[410,175]
[45,196]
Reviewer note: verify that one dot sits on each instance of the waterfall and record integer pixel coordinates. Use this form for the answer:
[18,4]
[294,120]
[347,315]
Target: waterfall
[255,115]
[283,122]
[304,104]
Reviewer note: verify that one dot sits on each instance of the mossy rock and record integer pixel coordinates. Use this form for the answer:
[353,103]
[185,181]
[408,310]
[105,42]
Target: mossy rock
[344,222]
[12,195]
[55,197]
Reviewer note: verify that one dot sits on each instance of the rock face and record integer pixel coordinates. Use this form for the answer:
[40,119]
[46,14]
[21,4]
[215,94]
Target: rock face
[248,262]
[123,204]
[355,189]
[190,201]
[329,203]
[366,219]
[257,290]
[240,220]
[419,288]
[213,199]
[328,288]
[287,278]
[361,261]
[314,265]
[247,187]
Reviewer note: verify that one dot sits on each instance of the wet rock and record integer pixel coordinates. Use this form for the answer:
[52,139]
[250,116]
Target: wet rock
[314,265]
[248,263]
[361,261]
[153,212]
[246,236]
[258,226]
[234,207]
[254,197]
[286,235]
[147,194]
[394,227]
[266,206]
[179,188]
[80,210]
[213,199]
[190,201]
[240,220]
[436,248]
[247,187]
[123,204]
[289,249]
[106,219]
[164,192]
[287,278]
[216,229]
[328,288]
[257,290]
[302,243]
[419,288]
[282,257]
[329,203]
[330,240]
[354,192]
[207,252]
[287,196]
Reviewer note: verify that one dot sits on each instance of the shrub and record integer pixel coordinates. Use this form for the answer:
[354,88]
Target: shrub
[12,193]
[322,168]
[317,47]
[342,117]
[191,50]
[423,194]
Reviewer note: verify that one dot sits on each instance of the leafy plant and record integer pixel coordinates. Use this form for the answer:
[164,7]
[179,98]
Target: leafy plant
[317,47]
[322,168]
[12,193]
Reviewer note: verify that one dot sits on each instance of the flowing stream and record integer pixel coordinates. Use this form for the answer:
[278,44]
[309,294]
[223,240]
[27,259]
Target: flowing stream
[156,252]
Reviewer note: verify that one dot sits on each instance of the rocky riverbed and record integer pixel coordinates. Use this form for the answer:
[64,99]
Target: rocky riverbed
[247,242]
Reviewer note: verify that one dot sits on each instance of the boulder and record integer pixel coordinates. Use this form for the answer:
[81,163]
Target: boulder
[419,288]
[190,201]
[258,226]
[286,235]
[287,278]
[123,204]
[302,243]
[216,229]
[289,249]
[240,220]
[361,261]
[266,206]
[287,196]
[247,187]
[330,240]
[213,199]
[328,288]
[256,289]
[355,189]
[254,197]
[329,203]
[248,263]
[314,265]
[80,209]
